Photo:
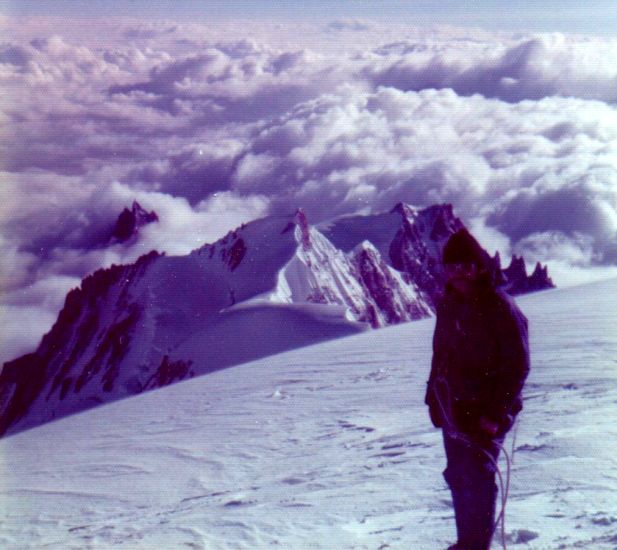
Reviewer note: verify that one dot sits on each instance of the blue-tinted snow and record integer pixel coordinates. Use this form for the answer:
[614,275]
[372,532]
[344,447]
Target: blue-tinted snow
[326,447]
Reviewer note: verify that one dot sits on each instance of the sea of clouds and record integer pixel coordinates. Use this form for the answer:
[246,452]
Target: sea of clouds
[215,125]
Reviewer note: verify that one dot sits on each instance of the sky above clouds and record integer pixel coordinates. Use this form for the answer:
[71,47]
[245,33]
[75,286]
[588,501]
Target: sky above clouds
[598,17]
[212,121]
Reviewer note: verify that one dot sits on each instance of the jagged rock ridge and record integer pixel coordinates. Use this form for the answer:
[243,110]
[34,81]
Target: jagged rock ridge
[517,280]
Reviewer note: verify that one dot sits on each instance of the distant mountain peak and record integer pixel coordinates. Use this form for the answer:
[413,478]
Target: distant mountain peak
[518,282]
[301,222]
[405,210]
[130,221]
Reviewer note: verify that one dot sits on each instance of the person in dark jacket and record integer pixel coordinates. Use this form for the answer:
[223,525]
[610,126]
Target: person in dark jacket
[480,362]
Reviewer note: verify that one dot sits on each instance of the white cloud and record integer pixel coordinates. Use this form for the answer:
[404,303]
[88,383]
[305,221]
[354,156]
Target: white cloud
[211,128]
[182,227]
[576,250]
[531,68]
[23,328]
[491,239]
[28,312]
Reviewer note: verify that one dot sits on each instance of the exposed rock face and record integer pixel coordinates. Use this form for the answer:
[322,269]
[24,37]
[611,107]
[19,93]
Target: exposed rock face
[269,285]
[129,222]
[418,245]
[391,296]
[518,282]
[91,337]
[169,372]
[410,241]
[539,279]
[359,280]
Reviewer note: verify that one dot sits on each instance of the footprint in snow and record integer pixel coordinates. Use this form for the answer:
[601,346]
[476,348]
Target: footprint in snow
[293,480]
[376,376]
[532,448]
[519,536]
[388,454]
[602,519]
[350,426]
[238,503]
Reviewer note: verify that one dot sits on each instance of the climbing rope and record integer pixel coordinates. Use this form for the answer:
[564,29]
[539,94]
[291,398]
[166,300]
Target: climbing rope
[504,486]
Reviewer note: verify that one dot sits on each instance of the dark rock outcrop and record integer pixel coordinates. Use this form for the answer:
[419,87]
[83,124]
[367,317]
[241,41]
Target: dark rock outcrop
[77,330]
[393,304]
[417,247]
[129,222]
[518,282]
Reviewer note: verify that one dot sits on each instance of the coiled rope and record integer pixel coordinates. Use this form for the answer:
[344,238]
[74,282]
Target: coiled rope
[504,485]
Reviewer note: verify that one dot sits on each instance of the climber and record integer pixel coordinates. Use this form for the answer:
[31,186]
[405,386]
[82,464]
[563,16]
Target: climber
[480,362]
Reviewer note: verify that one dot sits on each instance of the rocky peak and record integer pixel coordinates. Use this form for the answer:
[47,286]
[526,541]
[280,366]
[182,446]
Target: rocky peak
[443,222]
[541,273]
[417,247]
[539,279]
[517,281]
[301,222]
[129,222]
[517,269]
[407,211]
[392,300]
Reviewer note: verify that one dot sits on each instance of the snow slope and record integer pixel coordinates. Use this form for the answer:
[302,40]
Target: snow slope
[136,327]
[325,447]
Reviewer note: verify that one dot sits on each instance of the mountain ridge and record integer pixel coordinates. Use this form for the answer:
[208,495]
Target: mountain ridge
[271,284]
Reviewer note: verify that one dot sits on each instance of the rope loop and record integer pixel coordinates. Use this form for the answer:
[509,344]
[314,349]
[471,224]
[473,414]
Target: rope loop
[453,432]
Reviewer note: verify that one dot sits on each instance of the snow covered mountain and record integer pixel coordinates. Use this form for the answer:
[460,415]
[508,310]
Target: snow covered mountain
[268,286]
[328,446]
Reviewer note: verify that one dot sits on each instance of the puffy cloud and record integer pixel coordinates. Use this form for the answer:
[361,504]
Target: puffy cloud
[575,249]
[351,149]
[491,239]
[571,256]
[52,240]
[30,311]
[532,68]
[182,227]
[211,129]
[194,171]
[24,326]
[17,265]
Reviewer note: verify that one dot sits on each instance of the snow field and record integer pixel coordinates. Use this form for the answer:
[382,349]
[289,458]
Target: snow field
[323,447]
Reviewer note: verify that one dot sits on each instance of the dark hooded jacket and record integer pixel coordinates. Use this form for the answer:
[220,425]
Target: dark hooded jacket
[480,360]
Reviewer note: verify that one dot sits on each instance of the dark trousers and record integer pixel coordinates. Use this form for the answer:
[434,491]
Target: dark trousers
[470,474]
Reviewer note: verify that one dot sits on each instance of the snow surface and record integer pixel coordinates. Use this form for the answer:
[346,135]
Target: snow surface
[327,446]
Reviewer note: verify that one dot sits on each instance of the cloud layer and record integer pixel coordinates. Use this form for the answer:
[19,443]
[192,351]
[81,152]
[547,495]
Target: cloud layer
[214,126]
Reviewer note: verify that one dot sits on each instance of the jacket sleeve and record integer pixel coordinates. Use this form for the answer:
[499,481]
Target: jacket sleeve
[512,365]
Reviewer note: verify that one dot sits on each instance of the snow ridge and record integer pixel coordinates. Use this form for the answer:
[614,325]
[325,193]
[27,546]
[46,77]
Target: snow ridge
[270,285]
